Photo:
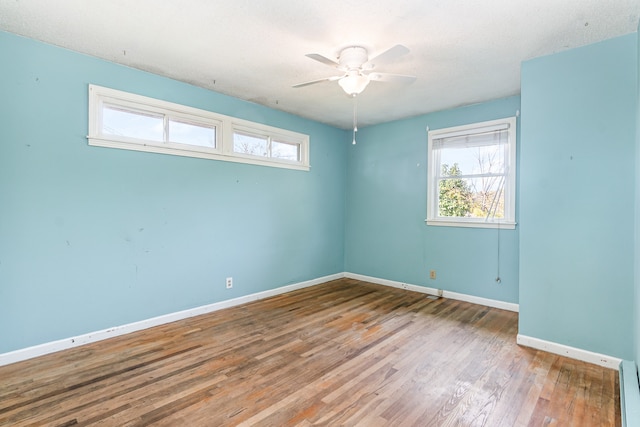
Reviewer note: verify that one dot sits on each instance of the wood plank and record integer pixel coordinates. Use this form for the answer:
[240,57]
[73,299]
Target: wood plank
[341,353]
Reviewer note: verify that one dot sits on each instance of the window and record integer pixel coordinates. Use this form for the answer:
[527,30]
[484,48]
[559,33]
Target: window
[249,142]
[472,175]
[123,120]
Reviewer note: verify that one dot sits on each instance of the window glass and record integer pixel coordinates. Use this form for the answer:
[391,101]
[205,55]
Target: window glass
[250,144]
[192,134]
[285,151]
[471,197]
[475,168]
[132,124]
[476,159]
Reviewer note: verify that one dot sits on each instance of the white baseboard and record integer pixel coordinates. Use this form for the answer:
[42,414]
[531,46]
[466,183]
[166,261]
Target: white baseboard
[433,291]
[571,352]
[551,347]
[67,343]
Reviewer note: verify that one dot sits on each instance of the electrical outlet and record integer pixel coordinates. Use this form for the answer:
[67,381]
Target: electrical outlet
[229,282]
[432,274]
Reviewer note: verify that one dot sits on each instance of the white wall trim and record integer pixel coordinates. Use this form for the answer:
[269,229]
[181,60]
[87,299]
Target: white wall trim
[433,291]
[67,343]
[503,305]
[72,342]
[572,352]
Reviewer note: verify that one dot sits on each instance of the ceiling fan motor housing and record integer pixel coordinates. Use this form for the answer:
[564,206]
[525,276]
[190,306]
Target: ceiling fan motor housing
[352,58]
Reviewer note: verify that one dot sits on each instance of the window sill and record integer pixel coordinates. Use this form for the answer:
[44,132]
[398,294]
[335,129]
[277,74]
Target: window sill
[152,148]
[506,225]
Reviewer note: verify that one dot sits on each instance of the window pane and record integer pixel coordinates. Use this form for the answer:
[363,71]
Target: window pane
[132,124]
[488,197]
[250,144]
[192,134]
[285,150]
[471,174]
[471,197]
[473,160]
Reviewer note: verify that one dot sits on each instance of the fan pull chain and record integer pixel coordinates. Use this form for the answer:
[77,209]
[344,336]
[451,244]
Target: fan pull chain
[355,118]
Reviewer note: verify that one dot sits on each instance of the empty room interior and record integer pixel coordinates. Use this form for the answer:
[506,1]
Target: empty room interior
[292,213]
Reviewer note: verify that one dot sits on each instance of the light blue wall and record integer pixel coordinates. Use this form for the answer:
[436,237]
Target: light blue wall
[94,237]
[386,236]
[577,177]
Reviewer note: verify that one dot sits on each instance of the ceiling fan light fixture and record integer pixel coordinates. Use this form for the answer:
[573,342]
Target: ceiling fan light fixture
[354,61]
[354,83]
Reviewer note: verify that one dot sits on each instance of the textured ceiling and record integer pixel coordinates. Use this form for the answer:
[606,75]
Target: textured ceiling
[462,51]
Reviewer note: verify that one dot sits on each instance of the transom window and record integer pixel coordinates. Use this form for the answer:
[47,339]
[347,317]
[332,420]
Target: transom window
[149,126]
[471,174]
[123,120]
[249,143]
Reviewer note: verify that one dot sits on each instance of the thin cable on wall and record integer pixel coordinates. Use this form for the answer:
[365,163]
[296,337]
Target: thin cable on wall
[494,208]
[498,279]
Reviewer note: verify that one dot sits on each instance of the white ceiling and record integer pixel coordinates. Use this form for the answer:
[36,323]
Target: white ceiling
[462,51]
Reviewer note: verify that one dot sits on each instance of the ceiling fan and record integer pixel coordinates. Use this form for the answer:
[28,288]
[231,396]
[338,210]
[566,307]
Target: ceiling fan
[358,68]
[358,72]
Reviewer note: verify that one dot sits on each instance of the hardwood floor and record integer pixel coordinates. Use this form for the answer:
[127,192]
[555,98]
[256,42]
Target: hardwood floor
[341,353]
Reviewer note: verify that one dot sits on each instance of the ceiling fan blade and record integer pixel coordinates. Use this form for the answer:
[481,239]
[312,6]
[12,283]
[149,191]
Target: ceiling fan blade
[323,59]
[392,78]
[387,56]
[312,82]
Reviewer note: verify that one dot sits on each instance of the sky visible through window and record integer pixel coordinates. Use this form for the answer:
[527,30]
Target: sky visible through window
[132,124]
[192,134]
[259,146]
[150,127]
[475,160]
[480,172]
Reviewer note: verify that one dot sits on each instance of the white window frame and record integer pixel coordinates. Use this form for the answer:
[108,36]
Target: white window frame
[433,165]
[224,128]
